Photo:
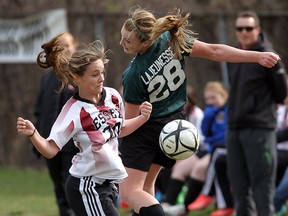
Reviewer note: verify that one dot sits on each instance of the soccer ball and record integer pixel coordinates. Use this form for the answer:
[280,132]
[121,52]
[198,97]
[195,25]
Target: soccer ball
[179,139]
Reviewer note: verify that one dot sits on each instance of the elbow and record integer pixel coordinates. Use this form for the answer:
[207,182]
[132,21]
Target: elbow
[51,152]
[49,155]
[122,134]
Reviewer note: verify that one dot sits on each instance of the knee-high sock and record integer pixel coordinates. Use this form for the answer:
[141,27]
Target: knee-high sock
[134,214]
[153,210]
[173,191]
[194,189]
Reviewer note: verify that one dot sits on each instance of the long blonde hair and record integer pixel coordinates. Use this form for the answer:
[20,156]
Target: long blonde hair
[67,67]
[150,28]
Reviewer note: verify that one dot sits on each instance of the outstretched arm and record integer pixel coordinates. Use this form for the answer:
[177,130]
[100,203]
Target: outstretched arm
[134,123]
[221,52]
[47,148]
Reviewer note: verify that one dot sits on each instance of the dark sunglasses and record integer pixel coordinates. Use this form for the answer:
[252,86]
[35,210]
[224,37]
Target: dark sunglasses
[247,28]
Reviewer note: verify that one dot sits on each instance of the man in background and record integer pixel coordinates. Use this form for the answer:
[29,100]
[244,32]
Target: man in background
[251,140]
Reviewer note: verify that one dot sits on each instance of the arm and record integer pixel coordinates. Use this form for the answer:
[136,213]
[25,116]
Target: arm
[221,52]
[133,123]
[47,148]
[277,79]
[131,110]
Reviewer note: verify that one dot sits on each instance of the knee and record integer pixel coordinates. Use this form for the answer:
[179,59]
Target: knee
[180,173]
[199,173]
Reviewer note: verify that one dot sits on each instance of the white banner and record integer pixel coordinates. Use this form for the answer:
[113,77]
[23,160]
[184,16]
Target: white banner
[21,39]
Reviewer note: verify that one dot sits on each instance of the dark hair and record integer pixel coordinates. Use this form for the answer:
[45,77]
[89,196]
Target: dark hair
[68,67]
[248,14]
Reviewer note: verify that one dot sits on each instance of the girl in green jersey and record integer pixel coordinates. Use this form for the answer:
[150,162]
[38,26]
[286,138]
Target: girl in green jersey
[156,74]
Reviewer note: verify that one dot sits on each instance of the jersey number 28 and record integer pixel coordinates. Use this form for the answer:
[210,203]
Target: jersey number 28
[162,85]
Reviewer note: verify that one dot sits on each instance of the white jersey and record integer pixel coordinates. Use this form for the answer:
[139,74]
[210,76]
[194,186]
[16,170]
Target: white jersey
[94,129]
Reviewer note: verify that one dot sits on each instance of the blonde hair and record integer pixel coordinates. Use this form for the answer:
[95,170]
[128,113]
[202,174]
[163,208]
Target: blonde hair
[216,87]
[68,67]
[150,28]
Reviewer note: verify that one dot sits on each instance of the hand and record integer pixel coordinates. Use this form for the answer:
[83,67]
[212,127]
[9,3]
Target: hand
[145,110]
[268,59]
[25,127]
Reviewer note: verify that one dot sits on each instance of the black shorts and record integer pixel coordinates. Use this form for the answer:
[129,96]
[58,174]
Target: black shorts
[89,198]
[141,148]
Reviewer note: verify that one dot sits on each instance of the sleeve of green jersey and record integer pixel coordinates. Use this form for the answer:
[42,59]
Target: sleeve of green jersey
[133,90]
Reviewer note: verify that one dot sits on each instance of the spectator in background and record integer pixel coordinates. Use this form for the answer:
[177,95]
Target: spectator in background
[222,185]
[193,169]
[251,139]
[217,186]
[281,193]
[49,104]
[194,112]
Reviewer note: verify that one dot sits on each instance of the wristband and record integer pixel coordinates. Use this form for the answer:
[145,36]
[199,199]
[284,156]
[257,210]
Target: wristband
[32,133]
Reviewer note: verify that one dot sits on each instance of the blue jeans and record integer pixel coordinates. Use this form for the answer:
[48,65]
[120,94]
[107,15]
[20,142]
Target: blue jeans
[281,194]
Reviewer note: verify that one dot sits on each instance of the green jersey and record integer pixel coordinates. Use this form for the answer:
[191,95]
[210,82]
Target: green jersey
[156,76]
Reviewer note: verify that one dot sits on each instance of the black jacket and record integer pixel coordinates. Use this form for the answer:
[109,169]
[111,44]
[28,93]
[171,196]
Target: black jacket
[49,104]
[254,91]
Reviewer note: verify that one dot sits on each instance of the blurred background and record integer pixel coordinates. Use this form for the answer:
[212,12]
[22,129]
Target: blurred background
[26,24]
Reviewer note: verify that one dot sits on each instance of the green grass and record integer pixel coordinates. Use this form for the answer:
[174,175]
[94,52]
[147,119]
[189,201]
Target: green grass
[26,192]
[29,192]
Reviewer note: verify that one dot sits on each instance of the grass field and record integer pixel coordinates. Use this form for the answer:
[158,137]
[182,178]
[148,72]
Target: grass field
[26,192]
[29,192]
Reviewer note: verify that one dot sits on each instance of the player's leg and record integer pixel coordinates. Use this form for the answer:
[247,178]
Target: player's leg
[149,185]
[139,151]
[197,179]
[180,171]
[132,190]
[86,197]
[200,169]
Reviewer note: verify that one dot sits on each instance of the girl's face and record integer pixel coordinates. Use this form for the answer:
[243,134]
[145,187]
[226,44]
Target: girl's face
[91,83]
[130,42]
[214,98]
[68,43]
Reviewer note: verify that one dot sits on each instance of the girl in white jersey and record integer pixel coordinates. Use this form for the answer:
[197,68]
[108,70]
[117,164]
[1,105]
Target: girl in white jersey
[94,118]
[157,74]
